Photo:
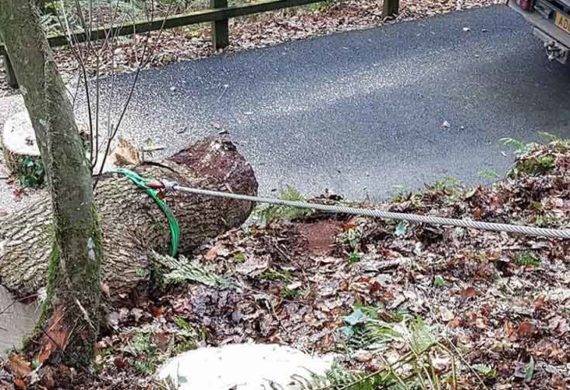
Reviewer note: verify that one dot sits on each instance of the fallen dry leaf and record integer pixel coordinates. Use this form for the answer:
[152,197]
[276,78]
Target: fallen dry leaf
[20,384]
[525,329]
[56,335]
[468,292]
[19,365]
[126,154]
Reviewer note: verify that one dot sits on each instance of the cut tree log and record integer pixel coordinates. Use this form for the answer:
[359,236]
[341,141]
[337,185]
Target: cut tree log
[133,225]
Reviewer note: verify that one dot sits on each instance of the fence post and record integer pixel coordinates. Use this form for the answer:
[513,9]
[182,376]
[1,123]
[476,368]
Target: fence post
[391,8]
[220,28]
[10,75]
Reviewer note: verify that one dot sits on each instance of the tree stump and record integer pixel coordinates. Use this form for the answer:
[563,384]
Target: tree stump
[133,225]
[19,143]
[22,154]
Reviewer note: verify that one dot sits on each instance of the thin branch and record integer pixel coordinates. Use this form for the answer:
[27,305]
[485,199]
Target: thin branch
[142,64]
[76,50]
[86,30]
[77,86]
[96,140]
[83,52]
[14,301]
[462,358]
[90,18]
[107,46]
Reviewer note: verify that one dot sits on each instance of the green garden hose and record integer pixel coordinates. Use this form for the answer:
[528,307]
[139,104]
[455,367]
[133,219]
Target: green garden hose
[173,224]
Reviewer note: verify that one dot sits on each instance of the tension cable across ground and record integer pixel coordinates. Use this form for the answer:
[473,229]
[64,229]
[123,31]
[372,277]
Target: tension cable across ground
[340,209]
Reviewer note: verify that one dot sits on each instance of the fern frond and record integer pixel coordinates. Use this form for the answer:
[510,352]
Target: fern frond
[336,379]
[416,341]
[286,213]
[175,271]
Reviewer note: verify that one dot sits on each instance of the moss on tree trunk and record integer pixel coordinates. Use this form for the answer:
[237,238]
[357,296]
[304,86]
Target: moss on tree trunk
[75,298]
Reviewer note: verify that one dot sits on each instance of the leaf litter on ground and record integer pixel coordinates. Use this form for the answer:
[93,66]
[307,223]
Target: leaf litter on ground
[478,308]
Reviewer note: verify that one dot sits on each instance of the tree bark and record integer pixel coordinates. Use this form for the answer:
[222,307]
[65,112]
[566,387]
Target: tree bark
[133,225]
[74,240]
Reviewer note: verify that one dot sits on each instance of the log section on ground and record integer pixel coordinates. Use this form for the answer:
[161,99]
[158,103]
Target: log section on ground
[133,225]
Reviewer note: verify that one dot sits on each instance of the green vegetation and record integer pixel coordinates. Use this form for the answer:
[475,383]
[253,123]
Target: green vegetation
[530,161]
[239,257]
[351,237]
[414,369]
[287,293]
[447,184]
[489,174]
[31,172]
[533,166]
[438,281]
[144,352]
[401,194]
[354,257]
[401,229]
[269,214]
[272,274]
[520,148]
[169,271]
[485,370]
[527,259]
[322,6]
[187,337]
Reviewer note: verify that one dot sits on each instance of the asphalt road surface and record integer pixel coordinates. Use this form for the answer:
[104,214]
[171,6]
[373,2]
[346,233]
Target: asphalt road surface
[365,113]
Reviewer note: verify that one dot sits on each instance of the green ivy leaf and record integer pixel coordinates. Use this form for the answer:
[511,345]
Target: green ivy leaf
[529,370]
[485,370]
[357,317]
[401,229]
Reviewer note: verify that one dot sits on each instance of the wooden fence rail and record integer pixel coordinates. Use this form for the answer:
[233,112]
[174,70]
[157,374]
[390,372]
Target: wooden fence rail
[219,15]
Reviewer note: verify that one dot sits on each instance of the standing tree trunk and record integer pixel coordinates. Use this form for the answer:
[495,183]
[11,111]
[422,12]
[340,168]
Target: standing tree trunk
[73,301]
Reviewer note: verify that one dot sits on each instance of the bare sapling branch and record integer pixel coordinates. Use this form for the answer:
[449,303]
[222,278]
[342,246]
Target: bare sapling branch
[142,63]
